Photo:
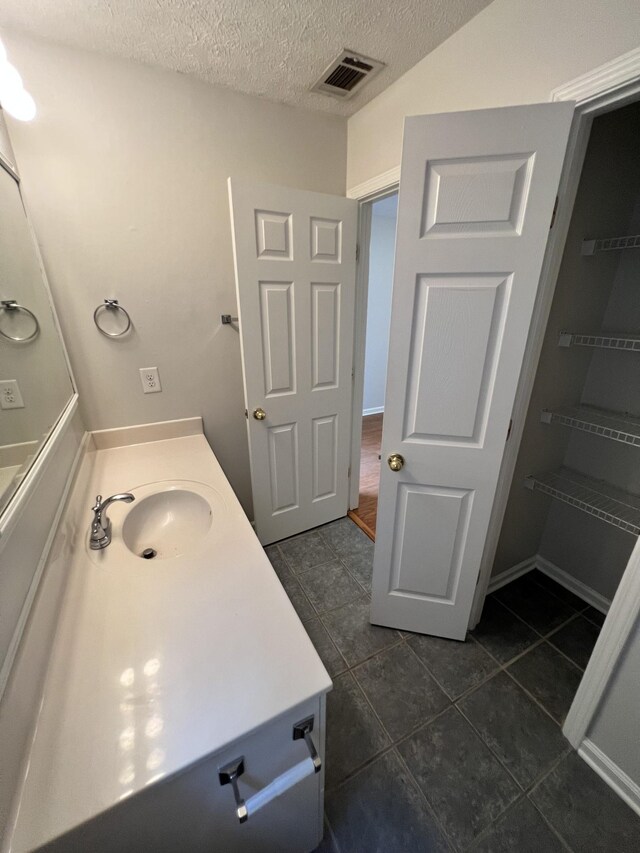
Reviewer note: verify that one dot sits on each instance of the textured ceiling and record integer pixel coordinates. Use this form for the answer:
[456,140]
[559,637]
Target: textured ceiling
[273,48]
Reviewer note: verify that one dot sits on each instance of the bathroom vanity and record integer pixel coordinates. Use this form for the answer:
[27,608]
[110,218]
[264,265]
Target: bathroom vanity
[184,705]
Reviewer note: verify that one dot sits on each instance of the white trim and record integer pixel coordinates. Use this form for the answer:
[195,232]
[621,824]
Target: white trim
[621,619]
[8,167]
[498,581]
[605,78]
[619,87]
[35,581]
[18,502]
[567,190]
[359,344]
[380,187]
[586,593]
[377,410]
[374,186]
[617,779]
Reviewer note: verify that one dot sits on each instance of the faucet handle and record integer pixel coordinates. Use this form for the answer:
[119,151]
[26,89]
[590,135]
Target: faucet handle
[98,504]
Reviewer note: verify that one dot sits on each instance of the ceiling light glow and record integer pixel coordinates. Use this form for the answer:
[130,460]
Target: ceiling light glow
[13,96]
[19,104]
[10,79]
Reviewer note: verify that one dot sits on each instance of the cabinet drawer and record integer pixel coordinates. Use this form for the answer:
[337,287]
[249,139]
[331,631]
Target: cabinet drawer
[193,812]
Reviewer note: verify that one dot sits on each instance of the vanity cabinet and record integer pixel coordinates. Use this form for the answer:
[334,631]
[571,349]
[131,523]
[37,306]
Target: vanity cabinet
[193,812]
[166,671]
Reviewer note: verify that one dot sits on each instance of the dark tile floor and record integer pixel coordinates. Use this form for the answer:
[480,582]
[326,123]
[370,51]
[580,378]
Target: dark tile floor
[435,745]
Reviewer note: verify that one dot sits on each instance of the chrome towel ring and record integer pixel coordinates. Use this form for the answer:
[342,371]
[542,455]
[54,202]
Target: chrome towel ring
[111,305]
[10,305]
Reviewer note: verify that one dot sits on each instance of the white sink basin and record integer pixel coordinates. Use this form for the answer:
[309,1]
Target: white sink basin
[167,519]
[166,524]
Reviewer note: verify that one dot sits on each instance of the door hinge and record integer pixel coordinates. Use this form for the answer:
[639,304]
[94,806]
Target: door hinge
[353,373]
[349,471]
[357,251]
[246,414]
[509,430]
[553,215]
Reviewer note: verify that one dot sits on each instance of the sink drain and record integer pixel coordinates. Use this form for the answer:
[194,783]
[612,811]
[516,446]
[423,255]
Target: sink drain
[148,553]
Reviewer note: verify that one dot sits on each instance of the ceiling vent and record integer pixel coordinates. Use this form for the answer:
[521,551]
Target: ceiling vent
[347,75]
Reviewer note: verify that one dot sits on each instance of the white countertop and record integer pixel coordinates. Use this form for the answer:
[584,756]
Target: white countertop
[157,663]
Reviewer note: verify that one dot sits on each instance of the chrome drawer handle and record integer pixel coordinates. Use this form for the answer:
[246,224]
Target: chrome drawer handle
[231,772]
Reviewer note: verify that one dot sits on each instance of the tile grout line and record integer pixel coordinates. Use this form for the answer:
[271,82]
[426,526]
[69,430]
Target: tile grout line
[536,784]
[430,808]
[505,668]
[523,791]
[501,666]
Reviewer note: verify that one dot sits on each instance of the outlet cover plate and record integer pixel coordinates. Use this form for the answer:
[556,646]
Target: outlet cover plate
[10,396]
[150,379]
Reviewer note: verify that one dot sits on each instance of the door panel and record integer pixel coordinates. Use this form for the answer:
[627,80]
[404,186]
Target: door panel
[477,192]
[295,278]
[456,326]
[325,334]
[278,342]
[325,457]
[283,467]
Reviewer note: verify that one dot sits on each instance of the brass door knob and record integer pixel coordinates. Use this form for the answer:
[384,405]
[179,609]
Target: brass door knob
[259,414]
[395,461]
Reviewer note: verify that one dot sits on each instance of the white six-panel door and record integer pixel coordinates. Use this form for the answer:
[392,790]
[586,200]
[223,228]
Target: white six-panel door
[295,254]
[477,192]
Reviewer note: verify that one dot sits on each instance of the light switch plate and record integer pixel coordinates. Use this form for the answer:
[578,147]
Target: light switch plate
[150,378]
[10,396]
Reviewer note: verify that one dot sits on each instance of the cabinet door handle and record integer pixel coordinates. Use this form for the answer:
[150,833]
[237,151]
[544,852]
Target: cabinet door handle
[231,772]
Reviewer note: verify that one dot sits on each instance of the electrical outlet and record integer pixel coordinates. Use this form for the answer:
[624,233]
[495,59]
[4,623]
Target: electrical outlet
[150,378]
[10,396]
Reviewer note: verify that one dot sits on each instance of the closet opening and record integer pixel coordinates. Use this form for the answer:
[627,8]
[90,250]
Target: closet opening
[573,512]
[379,284]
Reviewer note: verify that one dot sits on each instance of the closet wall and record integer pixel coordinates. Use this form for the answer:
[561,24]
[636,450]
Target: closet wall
[593,293]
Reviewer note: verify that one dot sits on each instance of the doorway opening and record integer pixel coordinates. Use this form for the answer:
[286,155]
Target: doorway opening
[572,517]
[379,284]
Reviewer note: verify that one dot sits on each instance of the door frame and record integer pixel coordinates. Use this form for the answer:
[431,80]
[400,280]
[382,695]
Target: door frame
[598,91]
[366,194]
[605,88]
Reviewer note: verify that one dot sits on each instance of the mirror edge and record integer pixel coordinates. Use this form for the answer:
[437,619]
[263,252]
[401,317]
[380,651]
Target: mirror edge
[19,497]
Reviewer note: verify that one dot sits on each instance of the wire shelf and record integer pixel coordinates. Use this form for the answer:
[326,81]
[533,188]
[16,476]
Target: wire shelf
[611,425]
[621,341]
[610,244]
[596,498]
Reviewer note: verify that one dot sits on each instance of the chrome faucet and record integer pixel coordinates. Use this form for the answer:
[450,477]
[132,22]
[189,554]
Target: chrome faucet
[100,535]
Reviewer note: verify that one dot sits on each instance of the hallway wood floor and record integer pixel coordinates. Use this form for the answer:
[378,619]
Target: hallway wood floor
[365,515]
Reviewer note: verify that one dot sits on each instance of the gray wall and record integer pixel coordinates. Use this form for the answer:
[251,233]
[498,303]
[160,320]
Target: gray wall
[125,176]
[533,523]
[383,243]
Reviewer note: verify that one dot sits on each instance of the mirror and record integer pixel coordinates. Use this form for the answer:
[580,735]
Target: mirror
[35,384]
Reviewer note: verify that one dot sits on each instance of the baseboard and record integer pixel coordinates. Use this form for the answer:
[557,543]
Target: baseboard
[377,410]
[595,599]
[590,596]
[511,574]
[616,779]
